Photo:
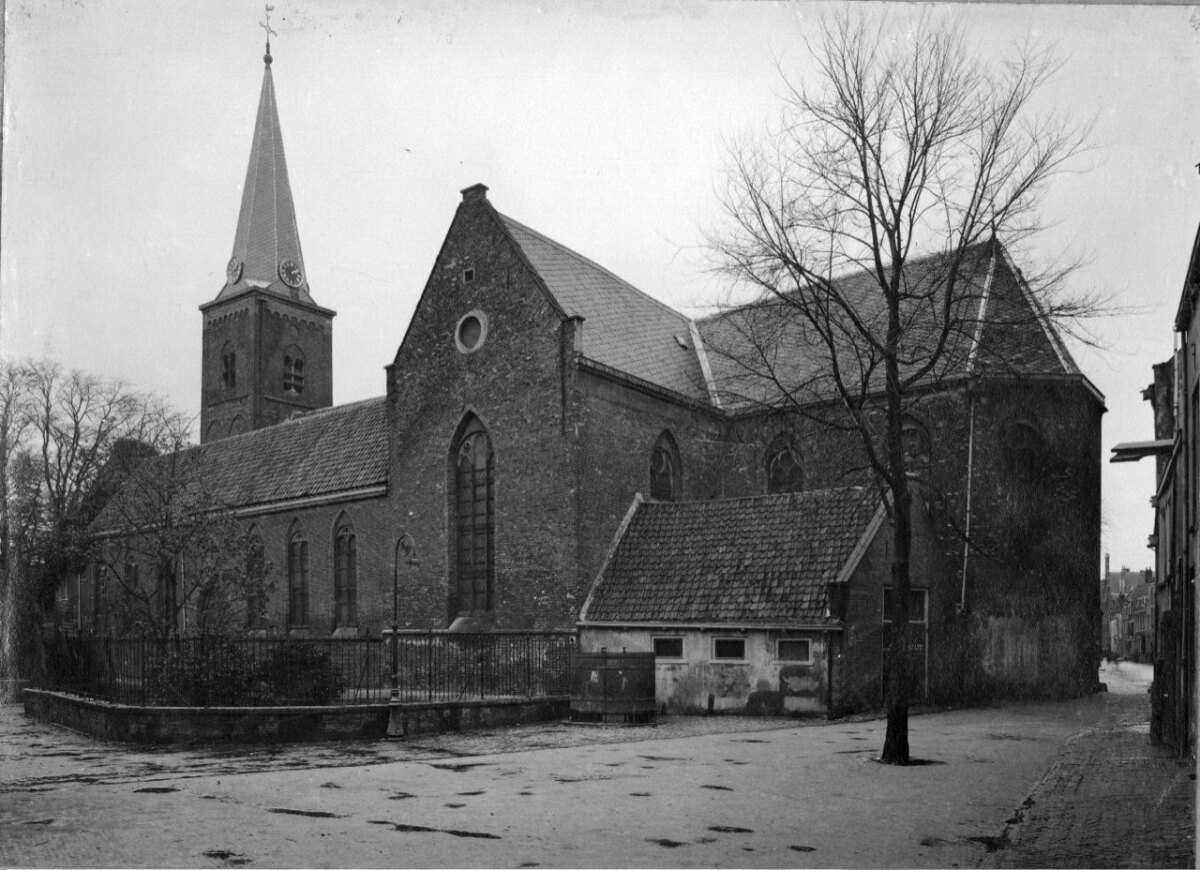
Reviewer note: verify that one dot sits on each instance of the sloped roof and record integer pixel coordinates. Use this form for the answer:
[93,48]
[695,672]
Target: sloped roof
[266,230]
[764,559]
[321,453]
[623,327]
[759,351]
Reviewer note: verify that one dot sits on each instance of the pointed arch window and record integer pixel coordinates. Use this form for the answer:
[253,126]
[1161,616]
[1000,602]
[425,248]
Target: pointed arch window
[256,598]
[784,472]
[1024,446]
[297,561]
[474,517]
[914,440]
[665,469]
[345,575]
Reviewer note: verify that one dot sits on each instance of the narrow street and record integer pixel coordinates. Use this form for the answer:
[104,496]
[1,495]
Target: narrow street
[1017,785]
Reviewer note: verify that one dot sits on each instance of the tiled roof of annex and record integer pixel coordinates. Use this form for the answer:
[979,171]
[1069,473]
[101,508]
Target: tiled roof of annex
[321,453]
[623,328]
[755,560]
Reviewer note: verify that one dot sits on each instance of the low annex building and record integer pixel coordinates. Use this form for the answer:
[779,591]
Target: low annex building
[766,605]
[534,395]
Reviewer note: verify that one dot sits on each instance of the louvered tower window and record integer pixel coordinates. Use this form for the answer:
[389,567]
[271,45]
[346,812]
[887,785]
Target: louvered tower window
[474,518]
[293,374]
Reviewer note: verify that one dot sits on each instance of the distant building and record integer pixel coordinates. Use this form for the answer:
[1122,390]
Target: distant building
[1127,599]
[534,395]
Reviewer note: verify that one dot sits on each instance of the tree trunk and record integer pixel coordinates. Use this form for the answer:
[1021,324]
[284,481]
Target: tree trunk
[899,678]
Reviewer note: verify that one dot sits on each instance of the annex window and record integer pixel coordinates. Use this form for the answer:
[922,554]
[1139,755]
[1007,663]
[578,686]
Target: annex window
[474,518]
[668,647]
[790,649]
[729,649]
[297,568]
[914,439]
[345,576]
[293,373]
[228,367]
[256,599]
[665,469]
[784,473]
[917,605]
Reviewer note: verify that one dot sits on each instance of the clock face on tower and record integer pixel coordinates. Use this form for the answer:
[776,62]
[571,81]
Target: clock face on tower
[290,272]
[233,271]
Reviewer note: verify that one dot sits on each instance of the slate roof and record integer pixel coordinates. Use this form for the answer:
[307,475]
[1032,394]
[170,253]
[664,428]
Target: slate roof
[321,453]
[764,559]
[994,330]
[623,327]
[266,230]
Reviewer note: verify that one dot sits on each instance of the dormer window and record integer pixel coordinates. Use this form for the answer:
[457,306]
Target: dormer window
[293,374]
[468,276]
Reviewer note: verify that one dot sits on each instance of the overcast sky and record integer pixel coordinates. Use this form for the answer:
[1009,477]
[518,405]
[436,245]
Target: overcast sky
[127,131]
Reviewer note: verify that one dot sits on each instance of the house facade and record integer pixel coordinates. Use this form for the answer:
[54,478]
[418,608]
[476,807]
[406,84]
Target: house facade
[1174,396]
[534,395]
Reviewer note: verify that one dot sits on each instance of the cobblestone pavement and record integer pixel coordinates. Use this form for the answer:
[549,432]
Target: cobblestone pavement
[36,756]
[1077,781]
[1109,799]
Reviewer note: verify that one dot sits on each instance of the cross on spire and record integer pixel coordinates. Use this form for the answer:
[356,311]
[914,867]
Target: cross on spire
[266,25]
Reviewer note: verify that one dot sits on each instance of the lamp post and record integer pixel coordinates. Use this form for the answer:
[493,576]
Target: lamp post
[408,549]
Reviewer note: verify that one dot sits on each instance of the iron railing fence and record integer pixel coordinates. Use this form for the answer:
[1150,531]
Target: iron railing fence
[206,671]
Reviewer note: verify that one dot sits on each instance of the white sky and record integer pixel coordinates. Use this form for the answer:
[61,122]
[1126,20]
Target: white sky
[127,128]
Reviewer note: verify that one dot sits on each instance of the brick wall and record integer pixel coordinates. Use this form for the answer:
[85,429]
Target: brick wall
[514,383]
[260,331]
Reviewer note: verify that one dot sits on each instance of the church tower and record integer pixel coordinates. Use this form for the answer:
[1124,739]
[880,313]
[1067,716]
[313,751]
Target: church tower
[267,346]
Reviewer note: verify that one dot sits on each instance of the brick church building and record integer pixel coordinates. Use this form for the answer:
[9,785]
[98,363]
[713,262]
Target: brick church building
[535,394]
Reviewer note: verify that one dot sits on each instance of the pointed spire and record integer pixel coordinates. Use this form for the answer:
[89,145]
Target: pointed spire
[266,247]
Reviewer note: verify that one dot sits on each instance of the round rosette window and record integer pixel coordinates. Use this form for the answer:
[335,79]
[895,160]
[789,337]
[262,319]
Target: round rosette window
[471,332]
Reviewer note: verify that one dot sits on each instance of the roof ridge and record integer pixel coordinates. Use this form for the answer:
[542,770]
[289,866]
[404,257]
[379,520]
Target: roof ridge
[842,276]
[593,264]
[778,496]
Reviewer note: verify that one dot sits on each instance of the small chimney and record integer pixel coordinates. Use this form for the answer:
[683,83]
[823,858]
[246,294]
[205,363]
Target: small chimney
[474,192]
[1107,564]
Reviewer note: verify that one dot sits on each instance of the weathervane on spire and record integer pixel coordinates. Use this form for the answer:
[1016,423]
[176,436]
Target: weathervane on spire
[266,25]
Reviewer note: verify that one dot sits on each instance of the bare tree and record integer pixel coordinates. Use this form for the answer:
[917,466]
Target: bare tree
[171,552]
[900,145]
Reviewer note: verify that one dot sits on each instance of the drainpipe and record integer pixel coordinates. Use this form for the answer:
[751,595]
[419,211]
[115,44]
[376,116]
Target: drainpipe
[962,600]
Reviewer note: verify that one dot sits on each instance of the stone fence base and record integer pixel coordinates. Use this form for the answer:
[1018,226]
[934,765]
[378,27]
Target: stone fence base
[279,724]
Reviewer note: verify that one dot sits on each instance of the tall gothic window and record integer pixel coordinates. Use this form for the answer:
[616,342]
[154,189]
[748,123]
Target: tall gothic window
[474,514]
[167,591]
[664,469]
[345,575]
[256,600]
[1024,446]
[784,473]
[297,580]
